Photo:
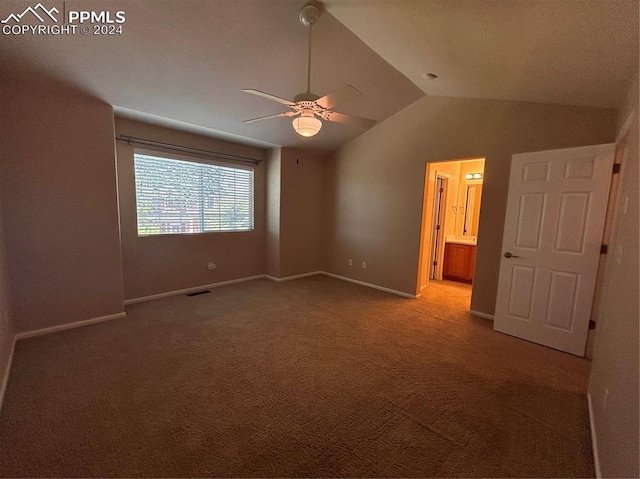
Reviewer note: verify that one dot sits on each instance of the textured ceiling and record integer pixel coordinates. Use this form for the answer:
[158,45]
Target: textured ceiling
[579,52]
[184,63]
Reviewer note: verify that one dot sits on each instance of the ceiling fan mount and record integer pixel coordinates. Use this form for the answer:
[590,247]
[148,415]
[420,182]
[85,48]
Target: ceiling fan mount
[309,15]
[307,106]
[302,97]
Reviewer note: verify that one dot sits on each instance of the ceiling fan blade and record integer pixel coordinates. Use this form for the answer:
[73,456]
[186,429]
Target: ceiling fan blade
[268,96]
[350,119]
[341,95]
[277,115]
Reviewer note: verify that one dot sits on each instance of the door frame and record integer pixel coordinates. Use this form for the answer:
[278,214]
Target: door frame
[436,253]
[610,222]
[423,270]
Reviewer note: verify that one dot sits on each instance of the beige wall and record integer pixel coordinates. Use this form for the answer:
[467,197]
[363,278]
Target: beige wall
[58,193]
[301,206]
[159,264]
[376,205]
[296,193]
[6,323]
[272,231]
[615,356]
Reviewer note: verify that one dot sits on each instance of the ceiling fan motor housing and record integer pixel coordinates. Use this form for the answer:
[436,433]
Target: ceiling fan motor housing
[308,106]
[309,15]
[305,97]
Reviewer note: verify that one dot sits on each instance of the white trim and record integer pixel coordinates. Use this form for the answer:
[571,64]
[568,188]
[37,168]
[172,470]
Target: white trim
[482,315]
[594,440]
[5,378]
[63,327]
[271,278]
[194,289]
[370,285]
[289,278]
[437,248]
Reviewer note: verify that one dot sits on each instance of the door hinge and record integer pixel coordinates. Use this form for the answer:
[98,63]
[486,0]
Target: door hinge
[592,324]
[437,227]
[441,190]
[616,168]
[603,249]
[435,263]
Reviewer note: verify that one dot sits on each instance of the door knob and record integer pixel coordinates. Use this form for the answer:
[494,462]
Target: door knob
[509,255]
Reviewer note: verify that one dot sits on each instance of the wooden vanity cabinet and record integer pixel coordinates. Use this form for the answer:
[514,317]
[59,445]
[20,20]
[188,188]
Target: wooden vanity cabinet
[459,262]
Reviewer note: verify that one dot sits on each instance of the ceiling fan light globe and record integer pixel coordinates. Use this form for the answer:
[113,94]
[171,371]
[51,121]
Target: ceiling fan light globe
[307,125]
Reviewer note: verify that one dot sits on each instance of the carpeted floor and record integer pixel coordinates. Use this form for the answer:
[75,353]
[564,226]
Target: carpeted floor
[313,377]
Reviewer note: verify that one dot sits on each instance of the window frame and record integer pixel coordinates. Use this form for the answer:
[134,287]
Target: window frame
[188,158]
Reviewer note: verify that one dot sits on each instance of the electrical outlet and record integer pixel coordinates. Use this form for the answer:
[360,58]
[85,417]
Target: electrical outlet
[350,262]
[211,266]
[605,399]
[625,205]
[364,265]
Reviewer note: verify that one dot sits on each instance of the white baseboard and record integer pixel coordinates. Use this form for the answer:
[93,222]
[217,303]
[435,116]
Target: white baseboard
[86,322]
[5,376]
[594,440]
[289,278]
[63,327]
[269,277]
[371,285]
[192,290]
[482,315]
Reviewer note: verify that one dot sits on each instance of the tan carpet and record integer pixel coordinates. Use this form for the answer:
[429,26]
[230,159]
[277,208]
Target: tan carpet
[314,377]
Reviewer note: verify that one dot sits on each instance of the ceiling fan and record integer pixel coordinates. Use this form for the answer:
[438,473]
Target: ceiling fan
[305,107]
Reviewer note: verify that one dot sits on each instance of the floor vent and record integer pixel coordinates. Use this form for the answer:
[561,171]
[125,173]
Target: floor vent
[198,293]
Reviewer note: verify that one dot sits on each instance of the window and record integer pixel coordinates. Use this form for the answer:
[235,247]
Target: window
[180,197]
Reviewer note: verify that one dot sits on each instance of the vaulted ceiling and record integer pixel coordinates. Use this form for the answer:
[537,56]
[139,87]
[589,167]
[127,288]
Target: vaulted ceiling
[184,63]
[576,52]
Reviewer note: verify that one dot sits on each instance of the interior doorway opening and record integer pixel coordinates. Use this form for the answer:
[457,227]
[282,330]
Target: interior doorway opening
[451,214]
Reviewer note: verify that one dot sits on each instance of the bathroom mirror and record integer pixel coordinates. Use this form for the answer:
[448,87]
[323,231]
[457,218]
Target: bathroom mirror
[468,210]
[472,210]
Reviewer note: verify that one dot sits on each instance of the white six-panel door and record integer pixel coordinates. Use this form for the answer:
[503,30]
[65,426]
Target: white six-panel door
[551,244]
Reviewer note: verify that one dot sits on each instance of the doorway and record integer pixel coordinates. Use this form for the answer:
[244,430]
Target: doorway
[451,214]
[437,231]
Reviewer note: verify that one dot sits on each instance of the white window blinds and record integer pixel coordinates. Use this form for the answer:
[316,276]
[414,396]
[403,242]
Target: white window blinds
[181,197]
